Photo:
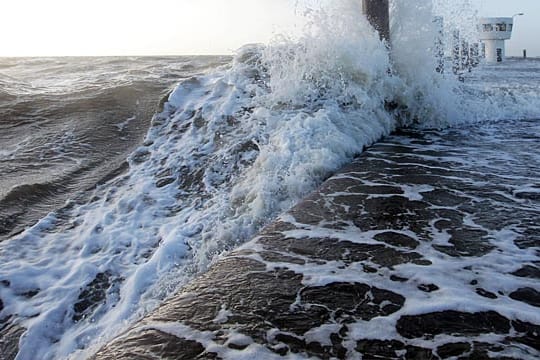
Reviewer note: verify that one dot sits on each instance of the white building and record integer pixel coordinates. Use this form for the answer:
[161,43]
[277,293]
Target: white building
[494,32]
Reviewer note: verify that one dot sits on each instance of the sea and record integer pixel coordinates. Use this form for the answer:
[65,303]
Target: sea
[123,178]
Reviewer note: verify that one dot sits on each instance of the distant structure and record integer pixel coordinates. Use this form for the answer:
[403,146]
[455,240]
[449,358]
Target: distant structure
[494,31]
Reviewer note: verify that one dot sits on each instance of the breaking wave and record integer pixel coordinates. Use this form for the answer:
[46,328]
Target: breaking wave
[229,152]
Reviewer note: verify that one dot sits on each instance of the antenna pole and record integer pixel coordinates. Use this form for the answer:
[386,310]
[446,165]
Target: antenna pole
[378,14]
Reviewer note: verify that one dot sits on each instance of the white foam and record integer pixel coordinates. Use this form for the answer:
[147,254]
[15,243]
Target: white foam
[244,144]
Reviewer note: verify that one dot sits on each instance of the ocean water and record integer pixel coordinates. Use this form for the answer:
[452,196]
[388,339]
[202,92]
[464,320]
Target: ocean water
[69,123]
[109,202]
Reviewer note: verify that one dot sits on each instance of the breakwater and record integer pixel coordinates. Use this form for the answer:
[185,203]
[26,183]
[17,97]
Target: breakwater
[426,246]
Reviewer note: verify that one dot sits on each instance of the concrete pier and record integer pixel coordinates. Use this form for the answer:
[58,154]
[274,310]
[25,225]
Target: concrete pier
[377,12]
[397,256]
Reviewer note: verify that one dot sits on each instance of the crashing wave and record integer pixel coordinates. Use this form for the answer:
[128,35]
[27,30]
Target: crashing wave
[229,152]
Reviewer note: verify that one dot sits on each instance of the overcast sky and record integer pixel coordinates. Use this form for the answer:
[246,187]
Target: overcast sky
[170,27]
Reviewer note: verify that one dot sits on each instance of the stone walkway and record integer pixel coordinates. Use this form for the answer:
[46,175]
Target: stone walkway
[425,247]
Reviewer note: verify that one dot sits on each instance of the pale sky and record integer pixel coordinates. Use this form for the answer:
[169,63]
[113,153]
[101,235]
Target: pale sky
[138,27]
[175,27]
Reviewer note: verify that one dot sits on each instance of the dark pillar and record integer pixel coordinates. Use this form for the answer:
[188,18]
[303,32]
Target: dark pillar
[524,53]
[378,15]
[456,52]
[439,43]
[475,54]
[465,55]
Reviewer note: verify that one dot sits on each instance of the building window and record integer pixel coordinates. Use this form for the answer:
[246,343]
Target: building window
[488,27]
[500,27]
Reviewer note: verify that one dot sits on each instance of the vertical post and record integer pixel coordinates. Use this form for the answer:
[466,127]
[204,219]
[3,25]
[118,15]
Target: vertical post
[378,14]
[475,54]
[439,43]
[456,52]
[524,53]
[464,55]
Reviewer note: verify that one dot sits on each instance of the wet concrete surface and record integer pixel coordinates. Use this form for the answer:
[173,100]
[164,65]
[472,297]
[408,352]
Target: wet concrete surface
[424,247]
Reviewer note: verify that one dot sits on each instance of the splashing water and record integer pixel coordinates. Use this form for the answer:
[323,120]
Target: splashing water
[230,151]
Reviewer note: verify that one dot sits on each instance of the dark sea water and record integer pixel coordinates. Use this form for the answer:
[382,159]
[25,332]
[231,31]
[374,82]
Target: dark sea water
[67,124]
